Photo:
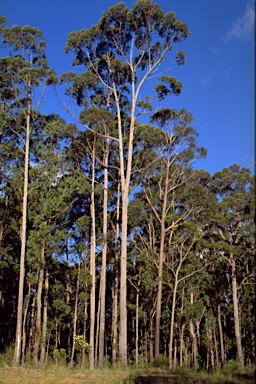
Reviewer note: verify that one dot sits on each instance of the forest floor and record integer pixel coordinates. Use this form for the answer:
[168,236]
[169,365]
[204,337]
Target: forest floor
[58,375]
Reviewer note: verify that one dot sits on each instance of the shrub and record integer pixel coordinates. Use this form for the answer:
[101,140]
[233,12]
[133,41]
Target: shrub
[161,362]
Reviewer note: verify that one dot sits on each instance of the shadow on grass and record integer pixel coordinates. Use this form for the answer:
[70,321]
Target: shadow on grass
[192,378]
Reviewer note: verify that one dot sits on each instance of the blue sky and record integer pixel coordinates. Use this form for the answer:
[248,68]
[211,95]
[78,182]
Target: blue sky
[218,77]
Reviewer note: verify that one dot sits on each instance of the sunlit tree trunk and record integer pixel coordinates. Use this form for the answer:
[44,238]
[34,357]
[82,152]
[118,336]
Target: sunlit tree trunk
[240,355]
[193,338]
[75,314]
[39,307]
[45,312]
[18,339]
[115,284]
[222,355]
[26,305]
[104,259]
[92,264]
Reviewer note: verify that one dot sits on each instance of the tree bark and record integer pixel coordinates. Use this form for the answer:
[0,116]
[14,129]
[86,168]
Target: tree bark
[26,304]
[92,264]
[193,337]
[18,339]
[39,307]
[104,259]
[172,321]
[45,312]
[75,314]
[115,284]
[221,336]
[240,356]
[160,270]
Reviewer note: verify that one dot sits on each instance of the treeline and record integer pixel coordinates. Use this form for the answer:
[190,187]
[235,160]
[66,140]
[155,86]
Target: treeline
[112,247]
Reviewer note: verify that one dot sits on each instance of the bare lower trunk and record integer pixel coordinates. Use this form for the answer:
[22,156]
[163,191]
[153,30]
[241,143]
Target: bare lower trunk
[104,261]
[240,356]
[18,340]
[216,348]
[84,329]
[159,288]
[97,332]
[172,322]
[221,336]
[123,284]
[44,326]
[115,285]
[39,308]
[151,338]
[193,337]
[194,345]
[182,346]
[92,266]
[32,326]
[75,315]
[137,331]
[26,304]
[114,318]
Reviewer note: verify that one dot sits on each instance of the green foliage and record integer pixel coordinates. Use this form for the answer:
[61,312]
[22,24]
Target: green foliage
[80,343]
[168,86]
[60,356]
[161,362]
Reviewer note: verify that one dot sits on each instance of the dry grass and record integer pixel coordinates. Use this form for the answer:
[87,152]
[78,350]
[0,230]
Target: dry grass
[65,375]
[61,376]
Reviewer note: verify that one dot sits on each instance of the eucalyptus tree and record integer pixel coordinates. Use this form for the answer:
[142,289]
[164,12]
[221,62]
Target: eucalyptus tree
[162,186]
[120,53]
[50,198]
[233,232]
[23,74]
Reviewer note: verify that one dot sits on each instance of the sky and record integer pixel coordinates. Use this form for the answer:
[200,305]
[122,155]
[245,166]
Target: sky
[218,76]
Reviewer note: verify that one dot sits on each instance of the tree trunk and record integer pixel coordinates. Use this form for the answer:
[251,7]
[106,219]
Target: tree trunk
[137,330]
[68,292]
[216,349]
[125,175]
[115,284]
[31,330]
[84,329]
[92,264]
[160,264]
[44,326]
[18,340]
[160,282]
[222,355]
[240,356]
[151,336]
[75,315]
[175,354]
[104,260]
[26,305]
[97,331]
[194,345]
[39,307]
[123,283]
[172,320]
[182,346]
[194,340]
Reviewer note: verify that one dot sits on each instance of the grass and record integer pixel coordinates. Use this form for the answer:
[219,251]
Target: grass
[65,375]
[58,375]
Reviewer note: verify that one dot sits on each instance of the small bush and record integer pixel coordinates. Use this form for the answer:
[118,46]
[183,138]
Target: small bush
[6,358]
[60,356]
[161,362]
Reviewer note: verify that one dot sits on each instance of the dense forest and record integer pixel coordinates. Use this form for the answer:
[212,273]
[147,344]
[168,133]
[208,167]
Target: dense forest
[114,248]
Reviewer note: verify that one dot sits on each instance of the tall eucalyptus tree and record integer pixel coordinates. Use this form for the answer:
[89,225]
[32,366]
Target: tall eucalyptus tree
[119,54]
[24,72]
